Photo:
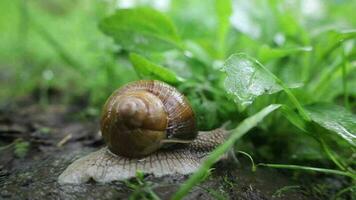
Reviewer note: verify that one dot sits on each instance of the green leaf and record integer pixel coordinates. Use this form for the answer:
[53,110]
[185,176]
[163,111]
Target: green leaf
[267,53]
[334,118]
[141,30]
[146,69]
[246,80]
[214,156]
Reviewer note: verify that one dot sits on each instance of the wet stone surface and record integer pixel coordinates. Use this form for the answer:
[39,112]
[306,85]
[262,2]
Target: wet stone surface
[51,151]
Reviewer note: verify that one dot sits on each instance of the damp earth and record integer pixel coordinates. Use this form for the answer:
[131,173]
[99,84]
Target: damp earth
[56,136]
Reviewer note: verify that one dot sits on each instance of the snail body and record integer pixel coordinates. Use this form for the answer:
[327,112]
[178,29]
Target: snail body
[144,116]
[142,123]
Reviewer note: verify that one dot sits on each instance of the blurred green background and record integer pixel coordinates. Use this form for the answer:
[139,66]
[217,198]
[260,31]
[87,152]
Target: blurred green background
[57,44]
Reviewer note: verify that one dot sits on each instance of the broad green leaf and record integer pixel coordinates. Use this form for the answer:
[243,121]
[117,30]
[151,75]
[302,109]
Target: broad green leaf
[146,69]
[214,156]
[246,80]
[334,118]
[267,53]
[141,30]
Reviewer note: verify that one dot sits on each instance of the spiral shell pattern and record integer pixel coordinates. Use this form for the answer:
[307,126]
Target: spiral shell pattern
[181,119]
[144,116]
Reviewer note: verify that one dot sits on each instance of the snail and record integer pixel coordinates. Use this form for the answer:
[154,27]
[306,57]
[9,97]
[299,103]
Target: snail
[144,116]
[149,126]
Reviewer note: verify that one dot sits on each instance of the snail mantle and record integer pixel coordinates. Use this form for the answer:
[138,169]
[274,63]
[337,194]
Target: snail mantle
[104,166]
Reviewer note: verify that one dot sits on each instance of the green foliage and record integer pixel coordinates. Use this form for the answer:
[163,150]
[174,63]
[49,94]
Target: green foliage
[21,148]
[141,30]
[246,80]
[146,69]
[230,58]
[280,192]
[224,11]
[335,118]
[267,53]
[62,38]
[141,189]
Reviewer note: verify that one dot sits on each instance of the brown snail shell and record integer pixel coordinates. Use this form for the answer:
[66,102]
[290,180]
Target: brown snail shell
[144,116]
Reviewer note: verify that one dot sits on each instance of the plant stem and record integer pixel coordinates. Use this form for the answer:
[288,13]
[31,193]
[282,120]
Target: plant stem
[289,93]
[344,79]
[330,154]
[307,168]
[251,159]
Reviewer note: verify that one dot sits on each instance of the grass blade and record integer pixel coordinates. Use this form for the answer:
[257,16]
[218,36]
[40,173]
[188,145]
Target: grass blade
[289,93]
[344,79]
[236,133]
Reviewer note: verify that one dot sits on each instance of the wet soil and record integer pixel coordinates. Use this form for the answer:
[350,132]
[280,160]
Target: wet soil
[58,134]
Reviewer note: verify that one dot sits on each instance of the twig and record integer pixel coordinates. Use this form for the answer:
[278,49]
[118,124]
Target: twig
[64,140]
